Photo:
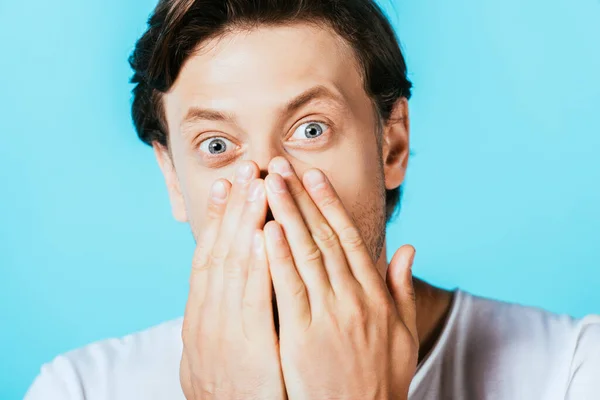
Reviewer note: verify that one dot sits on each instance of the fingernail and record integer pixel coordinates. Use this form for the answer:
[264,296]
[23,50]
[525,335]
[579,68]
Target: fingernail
[277,184]
[412,259]
[244,172]
[218,192]
[275,231]
[314,178]
[282,167]
[256,190]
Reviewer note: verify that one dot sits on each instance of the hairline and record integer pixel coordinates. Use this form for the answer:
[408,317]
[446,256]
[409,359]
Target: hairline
[248,26]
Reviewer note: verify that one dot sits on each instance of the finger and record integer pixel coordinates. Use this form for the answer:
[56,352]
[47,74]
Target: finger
[257,307]
[305,253]
[400,285]
[290,290]
[245,172]
[216,205]
[353,245]
[333,256]
[235,270]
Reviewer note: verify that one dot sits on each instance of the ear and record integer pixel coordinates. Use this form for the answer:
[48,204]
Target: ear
[395,145]
[165,162]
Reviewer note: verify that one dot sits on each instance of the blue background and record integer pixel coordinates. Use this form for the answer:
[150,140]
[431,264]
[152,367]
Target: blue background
[502,196]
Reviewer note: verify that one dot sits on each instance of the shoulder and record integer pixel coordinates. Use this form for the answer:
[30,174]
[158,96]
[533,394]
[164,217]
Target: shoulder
[584,369]
[537,350]
[513,328]
[504,323]
[141,365]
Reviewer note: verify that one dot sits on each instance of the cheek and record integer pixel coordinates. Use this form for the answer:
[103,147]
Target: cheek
[356,189]
[355,171]
[358,179]
[196,184]
[196,192]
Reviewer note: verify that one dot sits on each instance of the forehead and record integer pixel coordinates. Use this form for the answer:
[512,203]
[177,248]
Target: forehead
[266,65]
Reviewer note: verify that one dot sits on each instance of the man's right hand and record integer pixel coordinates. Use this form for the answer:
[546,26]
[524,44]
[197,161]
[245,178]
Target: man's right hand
[230,347]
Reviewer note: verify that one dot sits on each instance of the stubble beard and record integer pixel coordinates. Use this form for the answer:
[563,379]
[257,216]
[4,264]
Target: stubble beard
[369,217]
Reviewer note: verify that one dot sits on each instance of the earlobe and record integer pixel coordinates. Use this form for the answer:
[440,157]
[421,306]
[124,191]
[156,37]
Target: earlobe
[395,150]
[165,162]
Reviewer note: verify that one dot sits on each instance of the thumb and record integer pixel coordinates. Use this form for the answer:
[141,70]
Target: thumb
[400,284]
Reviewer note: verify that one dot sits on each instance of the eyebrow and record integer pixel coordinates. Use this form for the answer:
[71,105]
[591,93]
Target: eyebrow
[196,114]
[309,95]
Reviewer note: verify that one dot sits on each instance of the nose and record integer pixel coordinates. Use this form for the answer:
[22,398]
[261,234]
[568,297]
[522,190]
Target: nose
[262,156]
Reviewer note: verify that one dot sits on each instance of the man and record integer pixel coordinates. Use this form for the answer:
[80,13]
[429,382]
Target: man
[282,131]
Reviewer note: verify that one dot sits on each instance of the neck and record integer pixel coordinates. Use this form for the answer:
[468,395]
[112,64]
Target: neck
[433,306]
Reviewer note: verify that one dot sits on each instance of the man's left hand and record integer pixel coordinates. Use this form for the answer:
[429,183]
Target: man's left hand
[343,335]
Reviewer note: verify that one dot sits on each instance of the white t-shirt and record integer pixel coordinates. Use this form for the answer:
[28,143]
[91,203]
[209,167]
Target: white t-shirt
[487,350]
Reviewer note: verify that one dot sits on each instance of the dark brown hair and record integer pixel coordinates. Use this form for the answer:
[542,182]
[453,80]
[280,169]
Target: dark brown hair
[177,27]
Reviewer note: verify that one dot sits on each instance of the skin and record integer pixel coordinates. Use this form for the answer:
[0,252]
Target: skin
[337,298]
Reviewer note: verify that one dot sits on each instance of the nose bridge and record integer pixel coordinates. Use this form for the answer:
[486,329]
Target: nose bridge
[262,152]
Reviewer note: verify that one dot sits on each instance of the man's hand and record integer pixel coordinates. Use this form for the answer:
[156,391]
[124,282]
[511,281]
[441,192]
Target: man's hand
[230,347]
[342,334]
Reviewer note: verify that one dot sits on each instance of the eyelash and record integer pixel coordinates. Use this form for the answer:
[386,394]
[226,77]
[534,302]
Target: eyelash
[310,140]
[325,133]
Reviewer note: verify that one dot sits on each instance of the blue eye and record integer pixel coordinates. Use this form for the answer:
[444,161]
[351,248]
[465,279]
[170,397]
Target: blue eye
[215,145]
[310,130]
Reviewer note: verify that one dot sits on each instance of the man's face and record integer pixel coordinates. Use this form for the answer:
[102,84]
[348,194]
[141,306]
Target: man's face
[293,91]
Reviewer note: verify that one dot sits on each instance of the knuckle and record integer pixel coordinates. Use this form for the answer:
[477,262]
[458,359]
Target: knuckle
[298,291]
[249,304]
[329,200]
[313,255]
[256,267]
[217,256]
[296,190]
[255,304]
[351,238]
[201,255]
[214,211]
[234,268]
[200,264]
[283,255]
[284,258]
[325,235]
[200,250]
[358,313]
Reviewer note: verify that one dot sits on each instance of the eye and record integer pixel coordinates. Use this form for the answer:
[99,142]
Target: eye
[310,130]
[216,145]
